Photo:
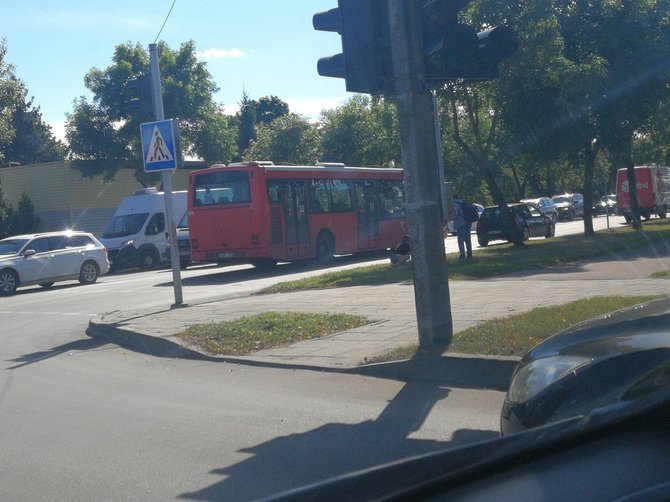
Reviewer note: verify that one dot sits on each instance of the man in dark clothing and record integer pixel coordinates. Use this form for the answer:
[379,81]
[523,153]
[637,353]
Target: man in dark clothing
[463,229]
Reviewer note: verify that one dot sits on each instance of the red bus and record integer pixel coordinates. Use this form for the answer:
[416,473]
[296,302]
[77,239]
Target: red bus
[262,213]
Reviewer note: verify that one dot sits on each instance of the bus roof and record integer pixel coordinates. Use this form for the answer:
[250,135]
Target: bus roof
[321,166]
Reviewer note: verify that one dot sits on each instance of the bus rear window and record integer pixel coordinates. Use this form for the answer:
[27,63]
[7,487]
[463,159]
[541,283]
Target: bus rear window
[228,187]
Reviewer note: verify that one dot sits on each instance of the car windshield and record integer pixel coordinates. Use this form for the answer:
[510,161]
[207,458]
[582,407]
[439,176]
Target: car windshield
[344,234]
[11,246]
[124,225]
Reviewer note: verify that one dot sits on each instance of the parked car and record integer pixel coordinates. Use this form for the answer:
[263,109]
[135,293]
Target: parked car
[610,359]
[545,205]
[526,217]
[51,257]
[605,205]
[569,205]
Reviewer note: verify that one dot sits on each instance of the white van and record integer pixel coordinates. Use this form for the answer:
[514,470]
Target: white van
[137,234]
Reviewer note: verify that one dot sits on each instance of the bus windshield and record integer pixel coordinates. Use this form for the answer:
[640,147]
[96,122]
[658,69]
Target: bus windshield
[124,225]
[228,187]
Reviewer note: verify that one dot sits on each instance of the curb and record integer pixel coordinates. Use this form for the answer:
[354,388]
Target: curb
[455,370]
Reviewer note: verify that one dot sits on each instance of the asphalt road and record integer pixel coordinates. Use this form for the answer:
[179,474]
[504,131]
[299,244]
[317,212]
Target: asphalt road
[84,420]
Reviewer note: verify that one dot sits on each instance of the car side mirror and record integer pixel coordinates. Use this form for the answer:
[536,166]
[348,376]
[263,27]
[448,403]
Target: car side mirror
[29,252]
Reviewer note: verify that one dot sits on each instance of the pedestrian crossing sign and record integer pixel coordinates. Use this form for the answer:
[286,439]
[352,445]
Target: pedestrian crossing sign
[159,148]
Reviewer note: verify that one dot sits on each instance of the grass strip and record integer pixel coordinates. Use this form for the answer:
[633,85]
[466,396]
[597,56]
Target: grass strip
[496,260]
[517,334]
[267,330]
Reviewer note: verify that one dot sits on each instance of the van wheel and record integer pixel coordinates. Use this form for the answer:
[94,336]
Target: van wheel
[89,272]
[9,281]
[46,285]
[147,260]
[325,248]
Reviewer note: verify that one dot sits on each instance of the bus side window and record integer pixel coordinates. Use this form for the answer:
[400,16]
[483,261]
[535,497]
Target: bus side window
[321,196]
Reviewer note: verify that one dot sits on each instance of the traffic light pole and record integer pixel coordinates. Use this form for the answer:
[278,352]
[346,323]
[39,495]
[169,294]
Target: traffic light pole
[167,181]
[422,183]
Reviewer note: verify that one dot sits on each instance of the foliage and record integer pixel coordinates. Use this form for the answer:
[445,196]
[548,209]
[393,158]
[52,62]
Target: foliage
[288,139]
[24,137]
[362,132]
[106,130]
[24,220]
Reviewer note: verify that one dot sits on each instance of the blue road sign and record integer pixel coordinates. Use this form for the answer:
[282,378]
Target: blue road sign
[158,145]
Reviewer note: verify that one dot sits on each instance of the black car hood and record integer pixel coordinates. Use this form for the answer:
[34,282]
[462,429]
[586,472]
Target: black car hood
[642,327]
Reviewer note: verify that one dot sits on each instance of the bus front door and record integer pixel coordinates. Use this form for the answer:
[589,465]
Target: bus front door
[296,222]
[368,215]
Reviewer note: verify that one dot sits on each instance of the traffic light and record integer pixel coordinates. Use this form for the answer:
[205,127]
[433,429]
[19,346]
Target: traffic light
[456,51]
[142,96]
[365,61]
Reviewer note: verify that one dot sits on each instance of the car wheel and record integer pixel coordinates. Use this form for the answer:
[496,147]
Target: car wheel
[9,281]
[183,264]
[46,284]
[663,212]
[147,260]
[89,272]
[551,231]
[525,234]
[325,248]
[483,242]
[571,215]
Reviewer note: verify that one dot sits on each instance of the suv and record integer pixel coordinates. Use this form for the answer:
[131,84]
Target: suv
[545,205]
[50,257]
[526,217]
[569,205]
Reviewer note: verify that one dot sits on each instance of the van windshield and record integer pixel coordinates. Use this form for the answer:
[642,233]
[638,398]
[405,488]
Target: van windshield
[124,225]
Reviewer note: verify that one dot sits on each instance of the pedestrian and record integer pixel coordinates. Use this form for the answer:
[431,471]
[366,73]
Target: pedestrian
[402,252]
[463,228]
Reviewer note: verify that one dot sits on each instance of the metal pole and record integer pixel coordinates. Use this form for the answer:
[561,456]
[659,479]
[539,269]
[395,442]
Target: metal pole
[166,178]
[422,186]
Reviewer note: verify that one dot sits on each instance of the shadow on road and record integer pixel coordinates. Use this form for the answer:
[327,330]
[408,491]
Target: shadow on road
[79,345]
[335,449]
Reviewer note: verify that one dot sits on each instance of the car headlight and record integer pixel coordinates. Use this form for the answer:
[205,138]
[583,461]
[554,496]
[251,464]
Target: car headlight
[540,374]
[129,242]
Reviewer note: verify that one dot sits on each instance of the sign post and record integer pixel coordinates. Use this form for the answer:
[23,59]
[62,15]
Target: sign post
[161,152]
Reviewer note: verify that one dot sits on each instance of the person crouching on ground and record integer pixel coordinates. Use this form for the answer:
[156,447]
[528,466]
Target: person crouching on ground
[401,253]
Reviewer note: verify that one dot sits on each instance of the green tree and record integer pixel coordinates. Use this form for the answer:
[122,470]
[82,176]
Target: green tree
[24,220]
[362,132]
[104,135]
[288,139]
[24,137]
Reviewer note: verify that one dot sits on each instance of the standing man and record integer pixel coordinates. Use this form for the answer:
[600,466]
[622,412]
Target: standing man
[463,229]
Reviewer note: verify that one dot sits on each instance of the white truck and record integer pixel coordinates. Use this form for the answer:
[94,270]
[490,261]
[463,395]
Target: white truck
[138,233]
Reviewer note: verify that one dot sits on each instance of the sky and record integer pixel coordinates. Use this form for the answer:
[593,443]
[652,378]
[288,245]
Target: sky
[263,47]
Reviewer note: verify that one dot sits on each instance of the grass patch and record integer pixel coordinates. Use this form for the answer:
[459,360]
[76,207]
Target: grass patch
[661,274]
[267,330]
[497,260]
[515,335]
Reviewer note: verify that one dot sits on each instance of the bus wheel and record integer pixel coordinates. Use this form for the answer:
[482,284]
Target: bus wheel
[325,248]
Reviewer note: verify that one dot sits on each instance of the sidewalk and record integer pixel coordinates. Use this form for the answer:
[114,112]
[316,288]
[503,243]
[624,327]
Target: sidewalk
[392,309]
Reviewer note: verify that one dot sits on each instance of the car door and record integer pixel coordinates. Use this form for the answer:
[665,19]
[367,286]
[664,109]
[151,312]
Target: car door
[66,256]
[535,221]
[37,266]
